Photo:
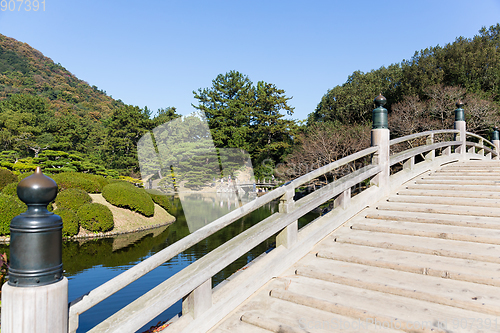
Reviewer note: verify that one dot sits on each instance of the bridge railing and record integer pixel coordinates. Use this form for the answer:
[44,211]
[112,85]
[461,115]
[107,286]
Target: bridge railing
[203,306]
[196,278]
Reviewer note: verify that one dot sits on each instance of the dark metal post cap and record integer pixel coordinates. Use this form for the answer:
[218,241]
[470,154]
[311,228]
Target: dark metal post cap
[459,112]
[379,114]
[37,189]
[380,100]
[495,135]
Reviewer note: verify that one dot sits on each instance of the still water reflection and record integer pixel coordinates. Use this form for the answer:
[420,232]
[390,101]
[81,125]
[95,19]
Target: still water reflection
[88,264]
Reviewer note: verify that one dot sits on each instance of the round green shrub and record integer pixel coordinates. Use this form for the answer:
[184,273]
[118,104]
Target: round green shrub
[7,177]
[128,196]
[10,189]
[10,207]
[88,183]
[160,199]
[70,221]
[72,198]
[95,217]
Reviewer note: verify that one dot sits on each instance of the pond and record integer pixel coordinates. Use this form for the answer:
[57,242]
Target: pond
[90,263]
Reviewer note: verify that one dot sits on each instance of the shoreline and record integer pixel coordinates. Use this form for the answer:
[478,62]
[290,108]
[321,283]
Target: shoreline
[126,222]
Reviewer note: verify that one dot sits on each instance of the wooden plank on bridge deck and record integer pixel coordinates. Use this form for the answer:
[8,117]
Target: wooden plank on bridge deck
[420,258]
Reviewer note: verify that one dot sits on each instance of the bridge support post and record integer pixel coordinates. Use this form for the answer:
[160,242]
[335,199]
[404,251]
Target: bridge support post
[380,137]
[495,138]
[35,299]
[461,126]
[288,236]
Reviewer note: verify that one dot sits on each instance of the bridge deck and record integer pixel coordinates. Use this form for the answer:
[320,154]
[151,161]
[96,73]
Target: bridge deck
[425,259]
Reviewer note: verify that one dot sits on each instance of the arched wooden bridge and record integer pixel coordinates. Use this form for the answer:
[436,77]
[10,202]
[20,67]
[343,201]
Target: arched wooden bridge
[417,251]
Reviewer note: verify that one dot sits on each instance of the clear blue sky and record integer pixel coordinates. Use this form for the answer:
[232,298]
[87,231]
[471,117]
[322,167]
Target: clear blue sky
[155,53]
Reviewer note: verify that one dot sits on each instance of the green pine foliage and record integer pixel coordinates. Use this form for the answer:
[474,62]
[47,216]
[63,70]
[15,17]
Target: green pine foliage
[247,116]
[72,199]
[71,227]
[126,195]
[95,217]
[10,208]
[7,177]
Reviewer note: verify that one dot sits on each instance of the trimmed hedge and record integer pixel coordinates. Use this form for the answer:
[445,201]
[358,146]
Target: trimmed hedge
[10,207]
[10,189]
[72,198]
[84,181]
[7,177]
[70,221]
[128,196]
[160,199]
[95,217]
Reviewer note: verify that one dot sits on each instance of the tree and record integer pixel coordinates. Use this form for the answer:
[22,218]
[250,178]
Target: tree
[228,106]
[164,115]
[123,130]
[271,134]
[241,115]
[352,102]
[25,123]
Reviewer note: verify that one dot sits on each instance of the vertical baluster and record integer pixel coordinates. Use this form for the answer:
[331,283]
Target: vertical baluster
[481,151]
[431,154]
[199,300]
[409,164]
[343,199]
[288,236]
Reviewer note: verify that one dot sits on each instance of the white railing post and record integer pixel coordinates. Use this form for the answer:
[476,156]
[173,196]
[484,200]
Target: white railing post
[461,126]
[199,300]
[495,138]
[288,236]
[380,138]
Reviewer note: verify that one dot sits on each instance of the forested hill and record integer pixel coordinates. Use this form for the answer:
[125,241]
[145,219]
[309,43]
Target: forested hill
[51,118]
[24,69]
[468,68]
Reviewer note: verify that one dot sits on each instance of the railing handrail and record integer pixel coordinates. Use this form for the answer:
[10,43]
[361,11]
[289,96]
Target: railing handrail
[332,166]
[417,135]
[480,138]
[119,282]
[408,153]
